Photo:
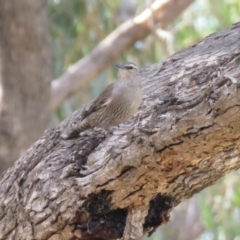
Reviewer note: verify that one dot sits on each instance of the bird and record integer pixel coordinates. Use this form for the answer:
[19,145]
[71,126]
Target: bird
[117,103]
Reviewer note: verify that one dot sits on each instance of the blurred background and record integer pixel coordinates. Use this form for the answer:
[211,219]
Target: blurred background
[52,62]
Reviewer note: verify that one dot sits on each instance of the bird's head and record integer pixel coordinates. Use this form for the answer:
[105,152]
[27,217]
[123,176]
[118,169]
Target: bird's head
[128,70]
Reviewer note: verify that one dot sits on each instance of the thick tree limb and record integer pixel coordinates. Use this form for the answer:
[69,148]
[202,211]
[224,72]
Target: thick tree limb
[109,50]
[121,184]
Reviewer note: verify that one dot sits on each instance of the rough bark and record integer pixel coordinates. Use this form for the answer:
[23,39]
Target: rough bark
[105,185]
[159,14]
[25,74]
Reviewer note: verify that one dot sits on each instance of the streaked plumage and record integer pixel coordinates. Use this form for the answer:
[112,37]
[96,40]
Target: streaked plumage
[117,103]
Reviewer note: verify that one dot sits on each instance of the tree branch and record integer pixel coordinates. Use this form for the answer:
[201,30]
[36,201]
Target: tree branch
[80,73]
[105,185]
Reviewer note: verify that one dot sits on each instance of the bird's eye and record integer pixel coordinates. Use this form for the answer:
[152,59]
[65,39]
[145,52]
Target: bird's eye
[130,68]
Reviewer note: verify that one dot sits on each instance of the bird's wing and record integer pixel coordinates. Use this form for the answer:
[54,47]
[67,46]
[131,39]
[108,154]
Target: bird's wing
[101,101]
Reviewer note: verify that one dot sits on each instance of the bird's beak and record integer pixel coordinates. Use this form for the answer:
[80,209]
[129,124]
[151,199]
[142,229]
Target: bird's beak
[119,65]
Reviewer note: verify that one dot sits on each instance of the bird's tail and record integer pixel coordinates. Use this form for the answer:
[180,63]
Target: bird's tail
[74,129]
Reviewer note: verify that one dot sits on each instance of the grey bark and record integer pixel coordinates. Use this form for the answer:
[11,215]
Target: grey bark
[105,185]
[25,74]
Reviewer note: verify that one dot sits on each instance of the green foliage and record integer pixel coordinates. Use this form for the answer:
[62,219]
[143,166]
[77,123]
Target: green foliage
[220,207]
[77,27]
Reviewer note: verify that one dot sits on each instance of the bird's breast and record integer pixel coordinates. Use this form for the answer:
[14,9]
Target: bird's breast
[133,98]
[124,105]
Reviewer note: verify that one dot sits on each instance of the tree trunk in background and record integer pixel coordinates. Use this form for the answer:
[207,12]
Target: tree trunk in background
[25,74]
[107,185]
